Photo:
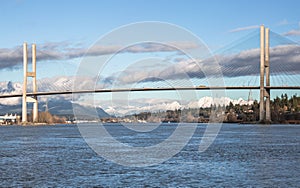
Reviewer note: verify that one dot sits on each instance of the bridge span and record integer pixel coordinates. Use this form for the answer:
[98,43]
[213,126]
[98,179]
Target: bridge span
[152,89]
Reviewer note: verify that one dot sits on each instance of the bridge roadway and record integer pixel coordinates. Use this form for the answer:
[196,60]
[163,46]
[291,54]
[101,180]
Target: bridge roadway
[152,89]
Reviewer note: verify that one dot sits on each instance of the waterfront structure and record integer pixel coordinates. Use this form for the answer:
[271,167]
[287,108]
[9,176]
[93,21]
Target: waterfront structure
[9,119]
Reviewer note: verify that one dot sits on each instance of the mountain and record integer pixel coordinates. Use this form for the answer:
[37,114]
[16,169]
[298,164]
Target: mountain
[62,105]
[206,102]
[10,87]
[60,108]
[65,107]
[55,105]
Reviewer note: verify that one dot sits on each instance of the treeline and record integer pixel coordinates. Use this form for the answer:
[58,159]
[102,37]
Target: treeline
[48,118]
[283,110]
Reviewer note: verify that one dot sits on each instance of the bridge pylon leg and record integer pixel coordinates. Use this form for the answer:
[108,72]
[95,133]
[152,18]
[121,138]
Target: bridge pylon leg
[267,71]
[24,98]
[262,74]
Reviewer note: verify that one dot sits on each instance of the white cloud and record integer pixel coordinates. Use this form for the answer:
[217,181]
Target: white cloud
[294,32]
[244,63]
[5,89]
[283,22]
[60,83]
[244,28]
[11,101]
[11,58]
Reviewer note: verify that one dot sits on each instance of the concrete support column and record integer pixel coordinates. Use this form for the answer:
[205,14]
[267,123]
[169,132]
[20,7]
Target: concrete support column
[24,98]
[35,103]
[267,69]
[262,71]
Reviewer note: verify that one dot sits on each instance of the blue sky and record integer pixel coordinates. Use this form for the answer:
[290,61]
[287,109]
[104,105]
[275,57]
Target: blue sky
[79,24]
[85,21]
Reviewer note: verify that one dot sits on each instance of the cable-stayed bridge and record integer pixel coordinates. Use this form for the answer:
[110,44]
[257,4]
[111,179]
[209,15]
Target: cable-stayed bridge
[275,65]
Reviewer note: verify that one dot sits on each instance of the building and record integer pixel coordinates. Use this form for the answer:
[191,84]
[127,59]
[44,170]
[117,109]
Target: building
[9,119]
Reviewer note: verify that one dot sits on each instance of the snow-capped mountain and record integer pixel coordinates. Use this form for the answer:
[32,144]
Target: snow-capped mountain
[10,87]
[117,106]
[206,102]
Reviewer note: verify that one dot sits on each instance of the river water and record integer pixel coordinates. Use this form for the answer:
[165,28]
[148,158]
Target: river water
[241,156]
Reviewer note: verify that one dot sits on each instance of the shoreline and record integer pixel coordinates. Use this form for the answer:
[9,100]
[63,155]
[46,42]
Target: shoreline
[294,122]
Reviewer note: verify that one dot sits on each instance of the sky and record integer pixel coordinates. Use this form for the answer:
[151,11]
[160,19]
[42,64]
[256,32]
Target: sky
[68,33]
[85,21]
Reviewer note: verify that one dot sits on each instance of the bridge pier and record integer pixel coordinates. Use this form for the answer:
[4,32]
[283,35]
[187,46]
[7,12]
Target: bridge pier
[264,106]
[27,74]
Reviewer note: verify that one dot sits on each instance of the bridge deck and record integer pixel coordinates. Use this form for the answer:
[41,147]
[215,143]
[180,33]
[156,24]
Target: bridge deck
[152,89]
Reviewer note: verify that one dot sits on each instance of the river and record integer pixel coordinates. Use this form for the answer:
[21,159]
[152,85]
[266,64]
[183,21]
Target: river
[240,156]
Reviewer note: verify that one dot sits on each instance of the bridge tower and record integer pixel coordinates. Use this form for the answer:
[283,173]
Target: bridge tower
[27,74]
[264,107]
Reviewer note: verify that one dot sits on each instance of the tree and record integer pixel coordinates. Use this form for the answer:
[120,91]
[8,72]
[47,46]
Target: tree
[45,117]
